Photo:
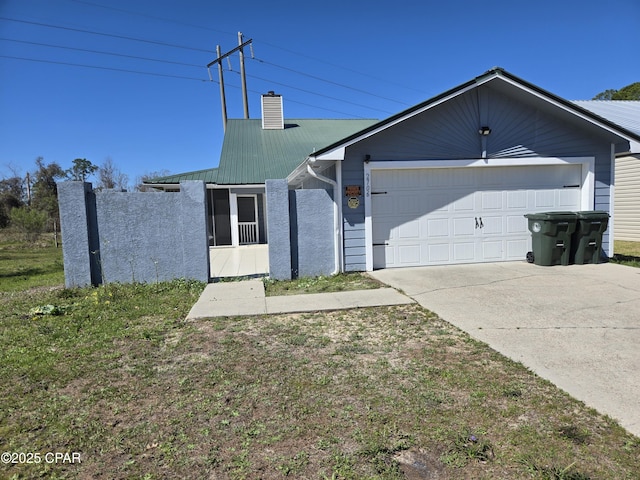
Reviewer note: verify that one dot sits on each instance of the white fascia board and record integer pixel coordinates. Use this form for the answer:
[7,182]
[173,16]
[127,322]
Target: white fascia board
[634,147]
[209,186]
[478,162]
[335,154]
[215,186]
[299,172]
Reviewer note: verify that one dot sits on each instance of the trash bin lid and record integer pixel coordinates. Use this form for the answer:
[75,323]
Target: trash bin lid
[593,215]
[551,216]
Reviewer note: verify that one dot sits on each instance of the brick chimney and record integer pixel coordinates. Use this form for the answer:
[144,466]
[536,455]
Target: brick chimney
[272,113]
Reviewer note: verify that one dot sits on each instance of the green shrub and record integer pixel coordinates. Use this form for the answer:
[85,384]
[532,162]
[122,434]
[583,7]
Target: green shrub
[31,223]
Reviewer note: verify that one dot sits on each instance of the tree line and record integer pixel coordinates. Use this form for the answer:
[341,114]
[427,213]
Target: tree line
[29,203]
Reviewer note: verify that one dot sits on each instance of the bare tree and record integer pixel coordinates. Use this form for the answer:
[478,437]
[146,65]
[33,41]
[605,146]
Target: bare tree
[141,186]
[110,176]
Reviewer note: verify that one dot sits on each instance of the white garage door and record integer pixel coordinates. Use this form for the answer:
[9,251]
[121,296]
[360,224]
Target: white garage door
[434,216]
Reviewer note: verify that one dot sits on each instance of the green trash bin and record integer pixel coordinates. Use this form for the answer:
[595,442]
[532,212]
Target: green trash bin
[587,238]
[551,237]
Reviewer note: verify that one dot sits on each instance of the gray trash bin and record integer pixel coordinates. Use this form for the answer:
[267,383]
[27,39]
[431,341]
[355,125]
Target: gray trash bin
[551,237]
[587,238]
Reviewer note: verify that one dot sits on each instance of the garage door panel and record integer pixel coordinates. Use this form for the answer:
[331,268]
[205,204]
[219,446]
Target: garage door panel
[428,216]
[545,198]
[464,203]
[492,250]
[517,200]
[491,201]
[382,230]
[492,225]
[569,197]
[409,229]
[438,253]
[464,227]
[435,228]
[464,252]
[514,248]
[515,224]
[409,254]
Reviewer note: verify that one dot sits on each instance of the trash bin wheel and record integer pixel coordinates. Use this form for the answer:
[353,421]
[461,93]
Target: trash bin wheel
[529,257]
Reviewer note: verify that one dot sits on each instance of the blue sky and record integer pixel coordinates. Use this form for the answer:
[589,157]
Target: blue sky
[329,59]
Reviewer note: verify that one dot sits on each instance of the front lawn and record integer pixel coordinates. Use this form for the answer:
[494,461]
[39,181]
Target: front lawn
[116,375]
[626,253]
[24,266]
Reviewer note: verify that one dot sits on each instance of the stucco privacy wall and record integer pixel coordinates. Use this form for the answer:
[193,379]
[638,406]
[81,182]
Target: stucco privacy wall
[312,239]
[140,236]
[278,229]
[300,231]
[450,131]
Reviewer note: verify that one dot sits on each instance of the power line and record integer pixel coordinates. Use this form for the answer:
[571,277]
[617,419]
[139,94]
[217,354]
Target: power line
[319,94]
[121,70]
[154,17]
[189,65]
[104,68]
[122,37]
[330,82]
[100,52]
[317,60]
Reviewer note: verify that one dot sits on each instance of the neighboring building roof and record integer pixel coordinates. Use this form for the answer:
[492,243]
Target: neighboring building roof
[251,155]
[625,113]
[209,175]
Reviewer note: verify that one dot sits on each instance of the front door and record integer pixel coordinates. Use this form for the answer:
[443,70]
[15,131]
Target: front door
[248,219]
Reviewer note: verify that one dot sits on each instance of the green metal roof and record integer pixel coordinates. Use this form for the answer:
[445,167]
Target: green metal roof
[209,175]
[251,154]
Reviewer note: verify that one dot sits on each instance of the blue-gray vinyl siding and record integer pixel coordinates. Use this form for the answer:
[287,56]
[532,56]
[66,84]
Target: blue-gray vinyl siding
[521,127]
[353,219]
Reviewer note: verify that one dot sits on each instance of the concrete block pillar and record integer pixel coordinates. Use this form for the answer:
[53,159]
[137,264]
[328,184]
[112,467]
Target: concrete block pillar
[78,224]
[195,251]
[278,229]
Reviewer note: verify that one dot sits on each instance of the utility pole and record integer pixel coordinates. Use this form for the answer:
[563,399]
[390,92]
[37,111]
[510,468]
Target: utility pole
[243,78]
[28,189]
[218,60]
[223,98]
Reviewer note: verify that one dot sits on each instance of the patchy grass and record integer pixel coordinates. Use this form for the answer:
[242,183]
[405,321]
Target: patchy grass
[118,376]
[334,283]
[24,266]
[627,253]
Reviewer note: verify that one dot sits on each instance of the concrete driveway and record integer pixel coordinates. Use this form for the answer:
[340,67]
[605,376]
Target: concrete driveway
[577,326]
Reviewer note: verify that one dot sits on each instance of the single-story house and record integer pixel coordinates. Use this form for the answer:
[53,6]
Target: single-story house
[446,181]
[625,113]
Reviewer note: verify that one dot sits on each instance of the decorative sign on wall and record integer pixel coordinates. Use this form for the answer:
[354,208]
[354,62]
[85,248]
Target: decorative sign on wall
[352,190]
[353,202]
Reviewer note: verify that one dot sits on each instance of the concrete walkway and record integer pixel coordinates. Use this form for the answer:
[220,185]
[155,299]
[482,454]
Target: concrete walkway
[577,326]
[247,297]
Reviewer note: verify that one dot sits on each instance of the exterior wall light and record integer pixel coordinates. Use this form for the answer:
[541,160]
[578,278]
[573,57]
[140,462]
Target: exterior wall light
[484,131]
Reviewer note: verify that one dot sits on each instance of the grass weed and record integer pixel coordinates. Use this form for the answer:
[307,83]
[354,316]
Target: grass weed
[334,283]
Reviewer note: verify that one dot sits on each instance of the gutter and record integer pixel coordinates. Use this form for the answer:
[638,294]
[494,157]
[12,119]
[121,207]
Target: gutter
[337,211]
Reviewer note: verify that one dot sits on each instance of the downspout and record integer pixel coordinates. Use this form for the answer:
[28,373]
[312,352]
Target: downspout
[612,198]
[336,211]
